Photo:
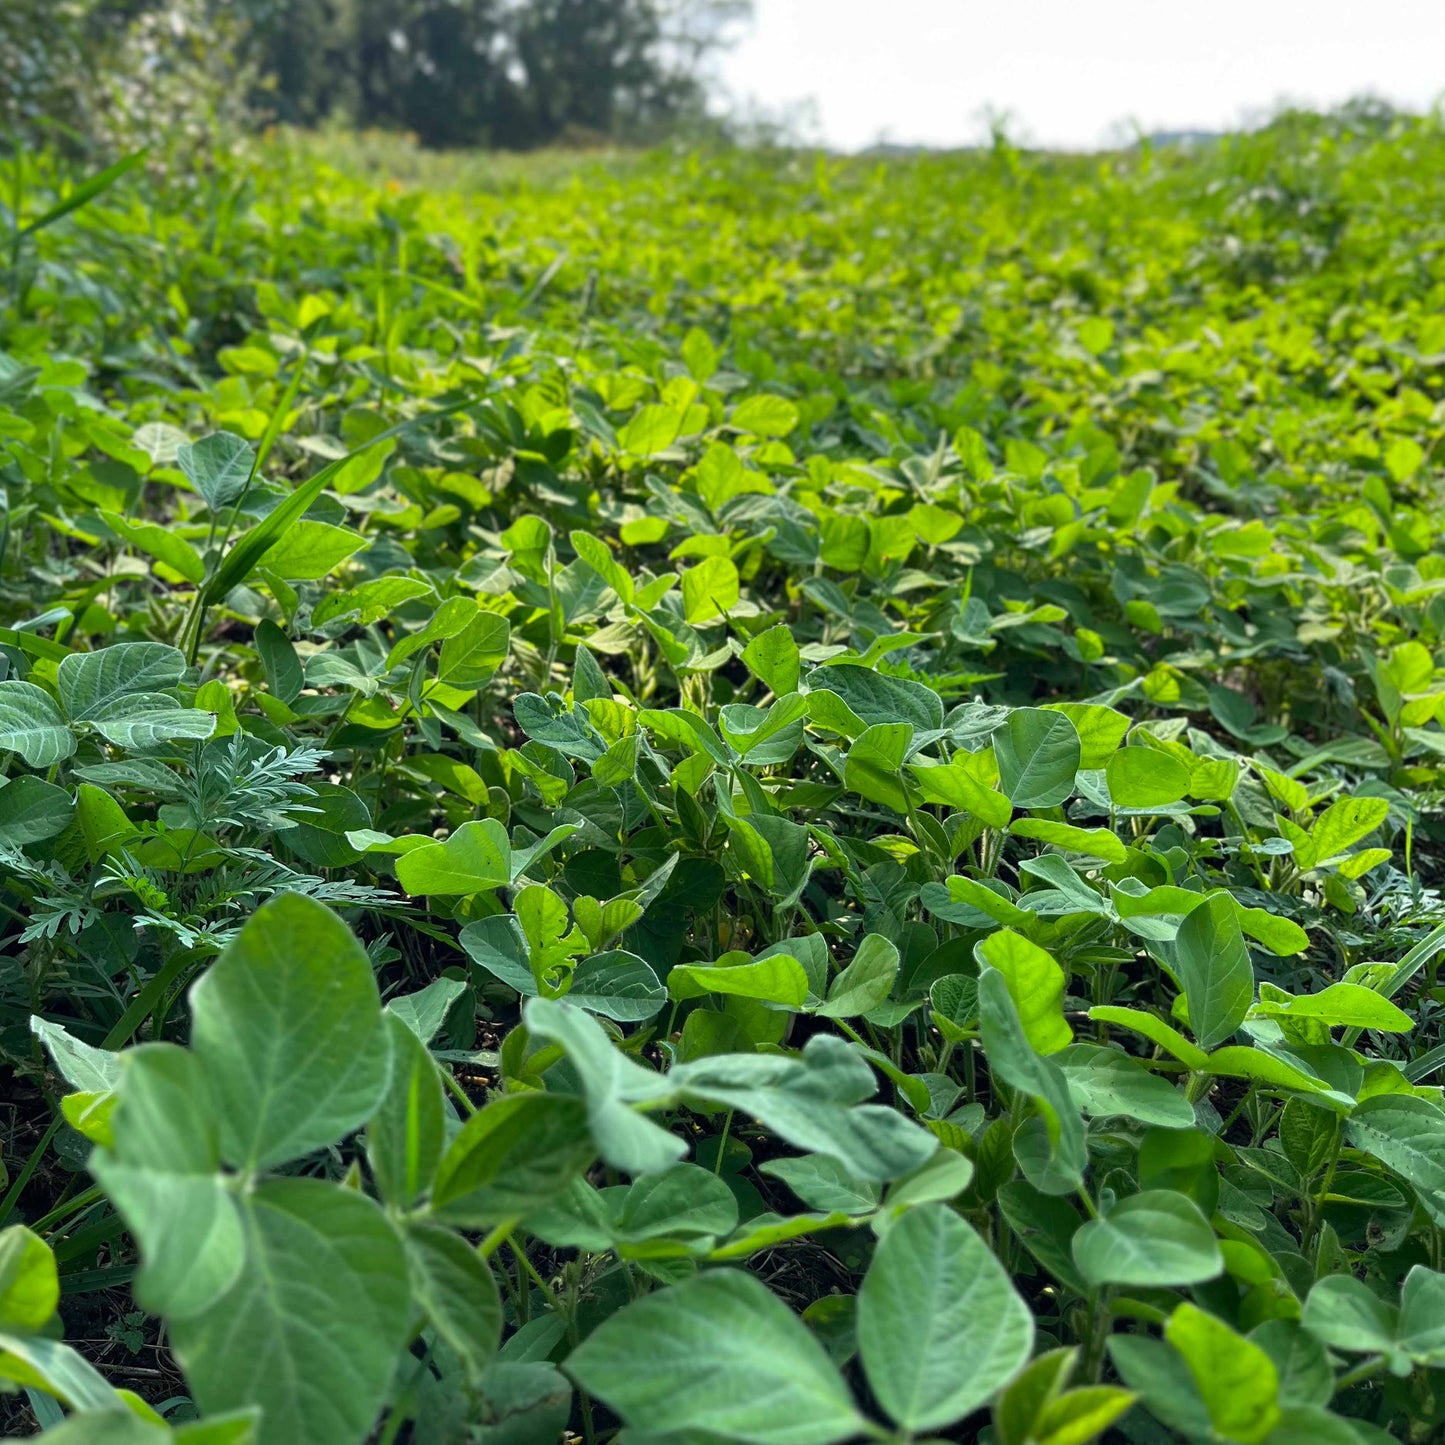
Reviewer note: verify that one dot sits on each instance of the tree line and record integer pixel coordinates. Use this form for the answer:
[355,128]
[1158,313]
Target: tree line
[512,74]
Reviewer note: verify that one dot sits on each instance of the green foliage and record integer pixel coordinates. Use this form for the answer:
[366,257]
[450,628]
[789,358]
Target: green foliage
[739,798]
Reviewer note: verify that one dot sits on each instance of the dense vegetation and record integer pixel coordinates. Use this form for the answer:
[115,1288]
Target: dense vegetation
[742,798]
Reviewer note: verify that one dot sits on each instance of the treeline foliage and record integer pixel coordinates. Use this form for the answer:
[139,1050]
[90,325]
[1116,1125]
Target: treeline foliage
[505,73]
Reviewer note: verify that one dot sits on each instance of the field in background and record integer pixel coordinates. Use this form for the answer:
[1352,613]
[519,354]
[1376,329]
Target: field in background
[744,795]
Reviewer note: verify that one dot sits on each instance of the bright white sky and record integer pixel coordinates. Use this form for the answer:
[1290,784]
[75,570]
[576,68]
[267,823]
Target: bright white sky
[1069,72]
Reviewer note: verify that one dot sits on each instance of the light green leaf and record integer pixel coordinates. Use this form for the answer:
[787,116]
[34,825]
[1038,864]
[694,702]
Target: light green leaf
[1145,777]
[1038,754]
[31,725]
[717,1354]
[1157,1238]
[477,856]
[1035,982]
[455,1286]
[1235,1378]
[288,1026]
[312,1329]
[1211,962]
[29,1282]
[866,982]
[940,1326]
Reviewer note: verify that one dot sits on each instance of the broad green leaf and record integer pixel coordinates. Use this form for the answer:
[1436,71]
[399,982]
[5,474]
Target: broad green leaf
[158,542]
[772,656]
[142,720]
[90,684]
[940,1326]
[1346,1314]
[1145,777]
[1211,962]
[311,550]
[406,1135]
[1342,824]
[709,589]
[218,467]
[1021,1067]
[1036,983]
[866,982]
[31,725]
[455,1286]
[874,766]
[1235,1378]
[1157,1238]
[778,979]
[512,1157]
[1038,756]
[1406,1134]
[29,1282]
[718,1354]
[312,1328]
[289,1030]
[765,415]
[1100,730]
[1339,1005]
[477,856]
[32,810]
[1108,1083]
[162,1173]
[471,657]
[873,697]
[1092,842]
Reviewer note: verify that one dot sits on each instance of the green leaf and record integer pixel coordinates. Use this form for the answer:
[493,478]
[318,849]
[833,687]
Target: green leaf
[288,1026]
[1211,962]
[406,1135]
[156,541]
[1018,1065]
[709,589]
[91,684]
[1345,1314]
[1406,1134]
[31,725]
[1144,777]
[313,1327]
[940,1326]
[777,979]
[772,656]
[476,857]
[719,1354]
[1035,982]
[513,1156]
[161,1172]
[32,810]
[1092,842]
[471,657]
[29,1282]
[456,1288]
[765,416]
[1342,824]
[874,766]
[284,674]
[1038,754]
[1157,1238]
[875,698]
[1106,1083]
[866,982]
[1340,1005]
[218,466]
[311,550]
[142,720]
[1235,1378]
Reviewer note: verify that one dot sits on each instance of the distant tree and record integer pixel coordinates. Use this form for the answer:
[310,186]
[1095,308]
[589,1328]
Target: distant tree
[509,73]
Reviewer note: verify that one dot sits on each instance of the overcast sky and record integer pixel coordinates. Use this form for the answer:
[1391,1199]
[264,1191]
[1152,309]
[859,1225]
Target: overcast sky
[1069,72]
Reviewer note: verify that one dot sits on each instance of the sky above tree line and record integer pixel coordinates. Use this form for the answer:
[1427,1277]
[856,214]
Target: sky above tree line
[1077,73]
